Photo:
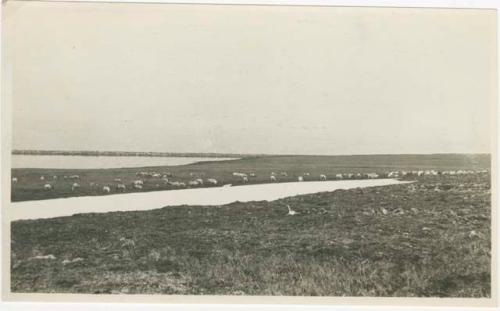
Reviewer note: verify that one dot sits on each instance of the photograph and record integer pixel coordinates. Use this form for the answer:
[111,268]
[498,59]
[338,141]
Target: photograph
[216,150]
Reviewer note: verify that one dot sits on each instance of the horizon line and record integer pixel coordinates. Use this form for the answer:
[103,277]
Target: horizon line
[211,154]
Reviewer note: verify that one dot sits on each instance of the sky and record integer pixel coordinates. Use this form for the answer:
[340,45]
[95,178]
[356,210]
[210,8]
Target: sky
[250,79]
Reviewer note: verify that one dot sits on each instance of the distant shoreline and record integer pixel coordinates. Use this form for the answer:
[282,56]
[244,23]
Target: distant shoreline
[131,154]
[212,154]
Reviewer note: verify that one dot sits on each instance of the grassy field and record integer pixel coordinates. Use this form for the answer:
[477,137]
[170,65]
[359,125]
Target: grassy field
[30,187]
[428,238]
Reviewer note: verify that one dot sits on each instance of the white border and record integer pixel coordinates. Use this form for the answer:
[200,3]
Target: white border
[477,4]
[470,4]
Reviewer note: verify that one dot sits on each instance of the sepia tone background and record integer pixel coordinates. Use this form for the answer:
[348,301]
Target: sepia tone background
[421,122]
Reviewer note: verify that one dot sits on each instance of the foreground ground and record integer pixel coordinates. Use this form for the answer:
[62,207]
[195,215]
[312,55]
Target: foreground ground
[428,238]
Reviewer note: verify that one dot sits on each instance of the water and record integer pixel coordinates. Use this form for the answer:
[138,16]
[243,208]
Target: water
[199,196]
[94,162]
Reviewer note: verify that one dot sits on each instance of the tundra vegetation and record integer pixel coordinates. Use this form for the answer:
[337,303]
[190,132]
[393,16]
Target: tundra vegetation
[248,170]
[430,238]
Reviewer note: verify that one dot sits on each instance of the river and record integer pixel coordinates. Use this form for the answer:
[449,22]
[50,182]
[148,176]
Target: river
[97,162]
[198,196]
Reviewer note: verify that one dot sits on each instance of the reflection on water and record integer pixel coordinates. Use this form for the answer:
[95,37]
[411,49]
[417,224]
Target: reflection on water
[198,196]
[90,162]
